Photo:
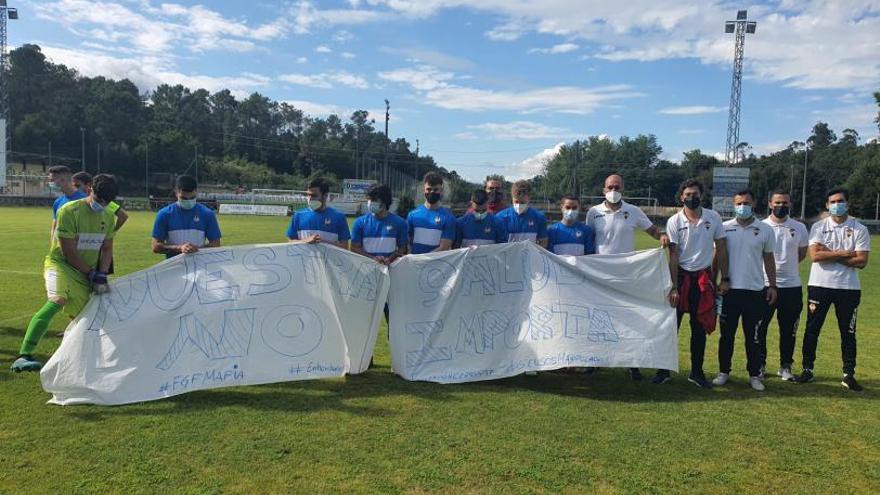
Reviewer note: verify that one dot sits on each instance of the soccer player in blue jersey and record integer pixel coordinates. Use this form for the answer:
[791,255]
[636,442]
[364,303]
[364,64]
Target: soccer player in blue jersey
[431,226]
[319,222]
[184,226]
[380,234]
[522,222]
[61,182]
[571,236]
[478,226]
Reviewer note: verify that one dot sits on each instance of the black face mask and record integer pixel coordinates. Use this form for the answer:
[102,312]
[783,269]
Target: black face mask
[693,202]
[433,197]
[781,211]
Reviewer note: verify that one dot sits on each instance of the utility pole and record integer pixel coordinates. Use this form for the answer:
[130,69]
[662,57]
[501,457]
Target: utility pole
[740,27]
[9,13]
[804,192]
[387,142]
[82,136]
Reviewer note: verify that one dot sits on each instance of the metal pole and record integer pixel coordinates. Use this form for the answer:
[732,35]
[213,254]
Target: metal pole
[82,133]
[877,208]
[147,173]
[804,192]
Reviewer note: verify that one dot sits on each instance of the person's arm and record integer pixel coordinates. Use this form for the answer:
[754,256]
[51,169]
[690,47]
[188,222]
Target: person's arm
[654,232]
[161,247]
[121,218]
[445,245]
[71,255]
[770,270]
[542,233]
[820,254]
[673,272]
[213,243]
[860,260]
[721,258]
[343,234]
[802,253]
[106,256]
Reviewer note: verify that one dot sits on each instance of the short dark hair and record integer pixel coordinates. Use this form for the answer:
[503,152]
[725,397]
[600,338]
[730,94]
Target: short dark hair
[479,196]
[84,177]
[745,192]
[433,179]
[104,187]
[59,169]
[380,192]
[569,196]
[186,183]
[690,183]
[781,192]
[521,185]
[321,183]
[837,190]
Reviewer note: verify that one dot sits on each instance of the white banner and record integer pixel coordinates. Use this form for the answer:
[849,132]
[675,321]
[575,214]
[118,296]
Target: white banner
[222,317]
[244,209]
[499,310]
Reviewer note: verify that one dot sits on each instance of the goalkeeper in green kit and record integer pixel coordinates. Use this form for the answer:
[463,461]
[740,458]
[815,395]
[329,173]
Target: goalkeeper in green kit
[77,263]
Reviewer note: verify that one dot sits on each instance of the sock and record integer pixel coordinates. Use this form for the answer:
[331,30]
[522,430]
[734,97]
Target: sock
[38,326]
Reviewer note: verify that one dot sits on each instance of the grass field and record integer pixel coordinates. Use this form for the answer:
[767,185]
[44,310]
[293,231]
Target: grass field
[376,433]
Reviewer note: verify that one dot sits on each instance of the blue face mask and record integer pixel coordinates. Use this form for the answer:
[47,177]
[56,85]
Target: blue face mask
[838,209]
[743,211]
[187,204]
[96,207]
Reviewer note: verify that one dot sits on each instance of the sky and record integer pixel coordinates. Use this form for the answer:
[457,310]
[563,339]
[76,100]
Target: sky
[495,86]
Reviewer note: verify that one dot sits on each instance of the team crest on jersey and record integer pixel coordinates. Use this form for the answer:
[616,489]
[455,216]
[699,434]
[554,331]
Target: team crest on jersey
[792,232]
[487,230]
[578,233]
[437,220]
[531,223]
[757,232]
[708,225]
[389,228]
[327,221]
[849,232]
[626,215]
[196,219]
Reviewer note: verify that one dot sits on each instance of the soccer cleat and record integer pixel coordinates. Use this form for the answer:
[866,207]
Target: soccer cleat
[786,375]
[721,379]
[700,381]
[661,377]
[849,381]
[756,383]
[635,375]
[805,377]
[26,363]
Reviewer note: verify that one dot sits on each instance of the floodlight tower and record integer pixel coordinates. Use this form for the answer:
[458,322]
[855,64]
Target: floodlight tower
[6,13]
[740,27]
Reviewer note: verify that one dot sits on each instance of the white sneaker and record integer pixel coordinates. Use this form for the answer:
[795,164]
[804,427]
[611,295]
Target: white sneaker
[756,383]
[785,374]
[721,379]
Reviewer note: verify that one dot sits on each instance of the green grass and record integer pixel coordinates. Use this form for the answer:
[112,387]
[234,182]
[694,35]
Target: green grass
[378,433]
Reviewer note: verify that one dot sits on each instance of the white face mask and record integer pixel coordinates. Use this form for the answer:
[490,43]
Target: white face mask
[519,208]
[480,215]
[314,204]
[570,214]
[613,197]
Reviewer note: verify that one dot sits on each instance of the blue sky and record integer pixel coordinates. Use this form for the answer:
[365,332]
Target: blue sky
[494,86]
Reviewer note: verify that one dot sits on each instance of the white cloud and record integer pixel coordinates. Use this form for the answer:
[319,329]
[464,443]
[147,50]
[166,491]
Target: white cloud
[520,129]
[323,49]
[301,60]
[437,89]
[809,45]
[326,80]
[556,49]
[692,110]
[318,109]
[531,166]
[343,36]
[429,57]
[148,72]
[347,55]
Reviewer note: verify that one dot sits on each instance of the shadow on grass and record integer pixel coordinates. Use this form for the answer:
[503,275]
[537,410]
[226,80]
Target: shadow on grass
[345,395]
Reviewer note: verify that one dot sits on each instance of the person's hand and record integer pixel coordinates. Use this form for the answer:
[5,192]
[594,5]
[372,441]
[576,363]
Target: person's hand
[664,241]
[312,239]
[673,297]
[723,287]
[98,280]
[772,295]
[189,248]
